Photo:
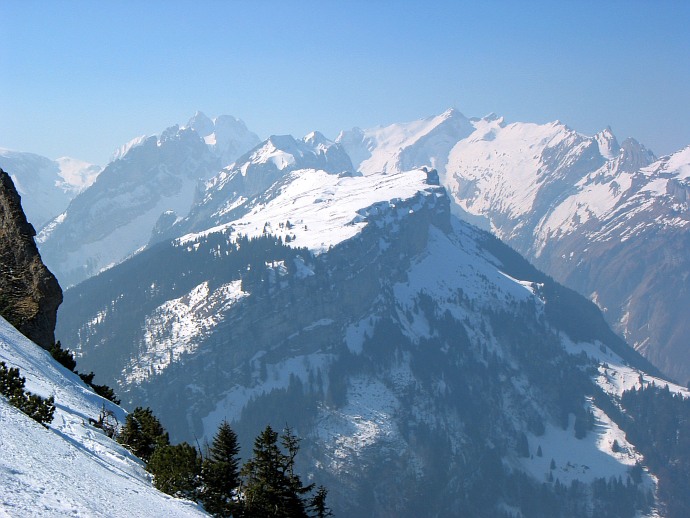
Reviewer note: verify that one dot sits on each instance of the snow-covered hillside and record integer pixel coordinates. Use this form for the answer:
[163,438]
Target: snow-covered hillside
[71,468]
[317,210]
[46,186]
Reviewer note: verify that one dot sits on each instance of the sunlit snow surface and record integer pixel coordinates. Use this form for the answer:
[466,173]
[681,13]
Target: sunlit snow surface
[324,209]
[500,170]
[175,327]
[71,469]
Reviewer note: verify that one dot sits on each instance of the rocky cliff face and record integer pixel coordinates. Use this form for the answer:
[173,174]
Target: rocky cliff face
[29,293]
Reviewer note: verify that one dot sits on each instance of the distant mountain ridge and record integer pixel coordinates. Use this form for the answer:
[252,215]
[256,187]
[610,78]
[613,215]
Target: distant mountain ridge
[580,207]
[607,219]
[149,177]
[46,186]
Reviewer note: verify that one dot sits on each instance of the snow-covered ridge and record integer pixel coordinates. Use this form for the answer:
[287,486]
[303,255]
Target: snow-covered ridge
[277,155]
[226,136]
[71,468]
[317,210]
[404,146]
[121,151]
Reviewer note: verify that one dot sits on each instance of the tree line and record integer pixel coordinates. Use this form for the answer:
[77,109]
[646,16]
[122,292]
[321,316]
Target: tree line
[265,486]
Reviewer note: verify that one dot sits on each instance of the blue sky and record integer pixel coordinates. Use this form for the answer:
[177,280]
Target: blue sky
[81,78]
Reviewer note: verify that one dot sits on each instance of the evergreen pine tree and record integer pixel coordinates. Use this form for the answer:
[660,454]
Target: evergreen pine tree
[12,387]
[220,473]
[290,443]
[175,469]
[142,433]
[63,356]
[318,504]
[272,489]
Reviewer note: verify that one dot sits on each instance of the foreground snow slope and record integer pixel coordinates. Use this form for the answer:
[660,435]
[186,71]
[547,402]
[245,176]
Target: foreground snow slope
[72,468]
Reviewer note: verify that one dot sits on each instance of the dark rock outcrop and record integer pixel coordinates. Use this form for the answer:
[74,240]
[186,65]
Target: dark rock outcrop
[29,293]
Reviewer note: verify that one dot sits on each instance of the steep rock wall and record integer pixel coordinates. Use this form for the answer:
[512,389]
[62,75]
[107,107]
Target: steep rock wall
[29,293]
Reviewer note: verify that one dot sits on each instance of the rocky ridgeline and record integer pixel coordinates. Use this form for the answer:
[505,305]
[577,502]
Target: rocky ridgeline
[29,293]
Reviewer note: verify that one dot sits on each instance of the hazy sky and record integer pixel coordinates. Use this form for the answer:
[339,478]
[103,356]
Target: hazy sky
[81,78]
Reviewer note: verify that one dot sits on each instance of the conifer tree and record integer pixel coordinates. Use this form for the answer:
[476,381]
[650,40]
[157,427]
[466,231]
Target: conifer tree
[12,387]
[318,504]
[272,489]
[220,473]
[142,433]
[175,469]
[64,357]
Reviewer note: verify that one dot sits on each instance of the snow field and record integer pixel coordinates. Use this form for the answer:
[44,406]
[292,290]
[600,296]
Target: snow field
[71,468]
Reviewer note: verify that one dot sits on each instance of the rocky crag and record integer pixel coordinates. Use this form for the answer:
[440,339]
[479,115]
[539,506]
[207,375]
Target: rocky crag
[29,293]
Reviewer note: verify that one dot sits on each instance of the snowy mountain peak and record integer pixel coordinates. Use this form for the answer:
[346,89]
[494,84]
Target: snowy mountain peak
[170,133]
[451,112]
[121,151]
[314,151]
[227,127]
[201,124]
[491,117]
[316,138]
[226,136]
[634,156]
[405,146]
[608,145]
[283,142]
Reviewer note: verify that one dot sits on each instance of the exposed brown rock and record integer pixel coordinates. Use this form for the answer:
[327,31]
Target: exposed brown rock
[29,293]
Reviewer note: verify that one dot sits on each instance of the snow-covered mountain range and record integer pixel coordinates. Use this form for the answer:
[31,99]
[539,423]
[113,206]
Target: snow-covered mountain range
[413,352]
[148,177]
[607,219]
[338,286]
[46,186]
